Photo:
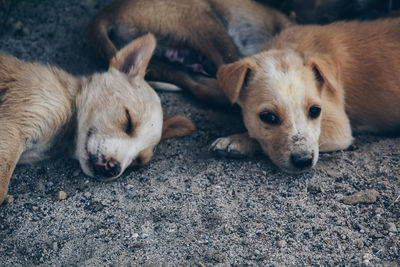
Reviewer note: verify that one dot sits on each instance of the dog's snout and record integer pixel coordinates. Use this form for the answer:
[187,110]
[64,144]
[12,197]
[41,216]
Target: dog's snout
[106,168]
[302,160]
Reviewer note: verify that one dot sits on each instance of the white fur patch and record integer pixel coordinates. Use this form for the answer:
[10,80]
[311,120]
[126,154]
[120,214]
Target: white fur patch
[126,149]
[290,88]
[288,83]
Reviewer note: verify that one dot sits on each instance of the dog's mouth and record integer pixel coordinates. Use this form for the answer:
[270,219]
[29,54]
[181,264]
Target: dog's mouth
[295,163]
[100,166]
[187,59]
[105,168]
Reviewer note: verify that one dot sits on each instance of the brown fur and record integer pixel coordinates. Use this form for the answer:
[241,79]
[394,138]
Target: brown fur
[361,63]
[350,69]
[204,26]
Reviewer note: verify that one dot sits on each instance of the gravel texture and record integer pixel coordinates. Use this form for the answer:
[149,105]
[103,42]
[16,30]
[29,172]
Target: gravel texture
[188,207]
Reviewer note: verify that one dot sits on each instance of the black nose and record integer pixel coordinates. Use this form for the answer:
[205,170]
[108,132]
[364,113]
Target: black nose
[302,160]
[106,168]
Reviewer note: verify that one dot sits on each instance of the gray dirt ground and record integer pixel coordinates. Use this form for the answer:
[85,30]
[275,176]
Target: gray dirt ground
[188,207]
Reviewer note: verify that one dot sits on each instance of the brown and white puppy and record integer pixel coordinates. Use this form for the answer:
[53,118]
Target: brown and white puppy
[194,37]
[311,86]
[109,121]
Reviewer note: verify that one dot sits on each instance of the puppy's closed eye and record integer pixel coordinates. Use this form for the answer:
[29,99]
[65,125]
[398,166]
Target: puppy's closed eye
[129,127]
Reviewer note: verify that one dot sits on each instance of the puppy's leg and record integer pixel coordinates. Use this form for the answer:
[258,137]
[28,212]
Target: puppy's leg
[335,129]
[11,147]
[213,41]
[206,89]
[236,146]
[202,88]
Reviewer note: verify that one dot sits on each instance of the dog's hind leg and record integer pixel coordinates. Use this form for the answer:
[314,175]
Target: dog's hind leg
[202,88]
[213,41]
[11,147]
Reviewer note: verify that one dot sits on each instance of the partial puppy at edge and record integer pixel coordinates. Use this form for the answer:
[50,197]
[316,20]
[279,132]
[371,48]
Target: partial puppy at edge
[108,121]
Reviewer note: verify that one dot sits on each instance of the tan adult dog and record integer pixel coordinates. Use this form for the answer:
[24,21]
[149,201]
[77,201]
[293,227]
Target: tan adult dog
[194,37]
[311,86]
[108,121]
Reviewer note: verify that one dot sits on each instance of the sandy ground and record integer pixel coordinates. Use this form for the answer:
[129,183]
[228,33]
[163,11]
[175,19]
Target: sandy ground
[188,207]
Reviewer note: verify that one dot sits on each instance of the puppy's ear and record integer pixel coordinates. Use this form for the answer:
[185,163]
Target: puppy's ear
[326,73]
[176,126]
[134,57]
[233,77]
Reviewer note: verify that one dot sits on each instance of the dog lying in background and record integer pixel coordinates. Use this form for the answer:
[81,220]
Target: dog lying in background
[327,11]
[194,37]
[311,86]
[108,121]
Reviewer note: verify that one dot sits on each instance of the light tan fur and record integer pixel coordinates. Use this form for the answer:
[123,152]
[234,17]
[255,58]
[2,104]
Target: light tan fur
[221,30]
[351,70]
[44,111]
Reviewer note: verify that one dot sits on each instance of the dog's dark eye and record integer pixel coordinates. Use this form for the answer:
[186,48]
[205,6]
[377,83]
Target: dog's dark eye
[129,125]
[269,118]
[314,112]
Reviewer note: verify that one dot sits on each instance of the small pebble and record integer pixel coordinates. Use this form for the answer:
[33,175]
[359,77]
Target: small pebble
[353,147]
[314,189]
[35,208]
[87,195]
[9,199]
[54,246]
[366,263]
[218,257]
[61,195]
[367,256]
[391,227]
[76,173]
[281,243]
[129,187]
[367,197]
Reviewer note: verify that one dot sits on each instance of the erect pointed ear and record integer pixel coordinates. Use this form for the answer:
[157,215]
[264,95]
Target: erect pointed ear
[176,126]
[233,77]
[134,57]
[326,72]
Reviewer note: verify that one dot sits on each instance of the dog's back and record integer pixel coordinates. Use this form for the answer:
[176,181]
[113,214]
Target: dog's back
[194,22]
[29,93]
[25,91]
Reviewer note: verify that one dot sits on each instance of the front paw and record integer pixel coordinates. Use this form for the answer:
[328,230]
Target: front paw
[226,147]
[235,146]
